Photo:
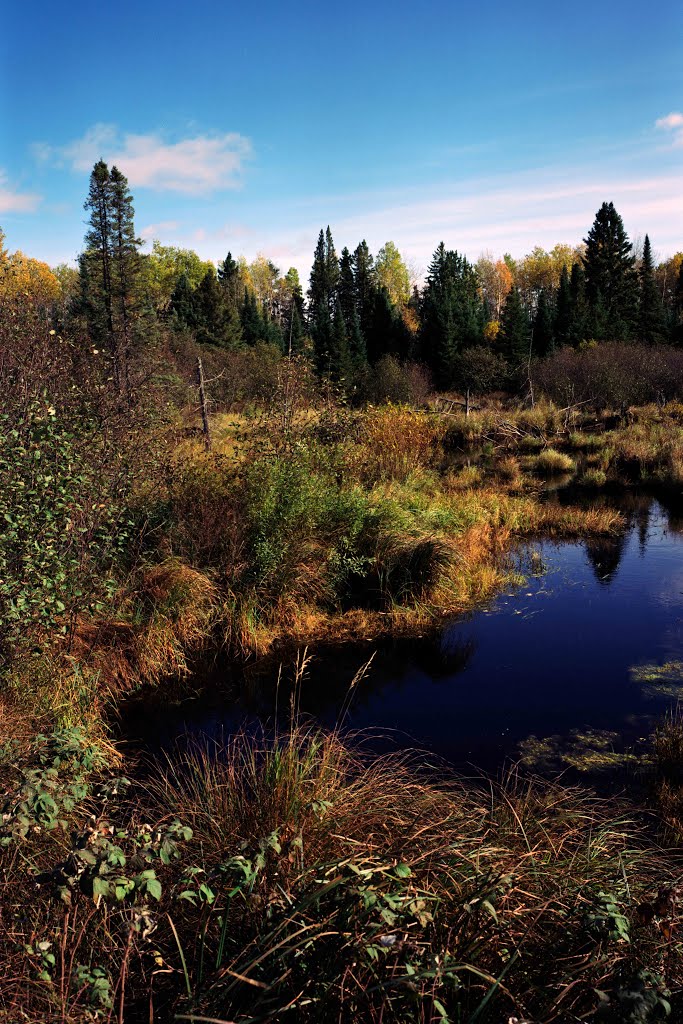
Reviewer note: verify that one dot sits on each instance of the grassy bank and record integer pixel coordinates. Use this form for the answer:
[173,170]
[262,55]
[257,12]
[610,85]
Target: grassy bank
[338,525]
[295,878]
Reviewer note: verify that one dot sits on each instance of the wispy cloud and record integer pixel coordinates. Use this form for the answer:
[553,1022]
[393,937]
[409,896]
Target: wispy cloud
[510,213]
[199,165]
[673,123]
[13,201]
[162,227]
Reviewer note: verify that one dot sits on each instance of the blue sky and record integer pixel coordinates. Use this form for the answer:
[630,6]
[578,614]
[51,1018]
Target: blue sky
[247,128]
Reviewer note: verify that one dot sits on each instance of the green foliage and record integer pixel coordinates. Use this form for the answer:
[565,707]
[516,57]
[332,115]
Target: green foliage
[53,784]
[57,534]
[515,330]
[611,282]
[451,313]
[92,985]
[651,319]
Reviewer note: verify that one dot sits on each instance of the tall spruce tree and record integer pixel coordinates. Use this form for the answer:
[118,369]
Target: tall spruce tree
[182,306]
[450,313]
[580,318]
[126,269]
[365,281]
[611,281]
[563,310]
[230,281]
[515,329]
[543,334]
[322,301]
[110,268]
[651,318]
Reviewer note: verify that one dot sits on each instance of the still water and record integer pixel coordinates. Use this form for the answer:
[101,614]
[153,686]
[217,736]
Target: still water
[593,640]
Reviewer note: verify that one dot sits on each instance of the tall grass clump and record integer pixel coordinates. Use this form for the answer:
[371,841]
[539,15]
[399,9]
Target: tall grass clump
[398,440]
[550,462]
[355,888]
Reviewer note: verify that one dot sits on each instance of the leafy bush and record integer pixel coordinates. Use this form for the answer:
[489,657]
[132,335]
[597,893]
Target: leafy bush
[481,370]
[392,381]
[612,375]
[63,523]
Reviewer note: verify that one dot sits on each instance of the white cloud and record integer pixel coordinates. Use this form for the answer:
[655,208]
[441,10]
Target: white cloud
[673,122]
[12,201]
[194,166]
[162,227]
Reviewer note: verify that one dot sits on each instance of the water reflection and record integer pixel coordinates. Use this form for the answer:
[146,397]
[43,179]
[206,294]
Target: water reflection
[560,656]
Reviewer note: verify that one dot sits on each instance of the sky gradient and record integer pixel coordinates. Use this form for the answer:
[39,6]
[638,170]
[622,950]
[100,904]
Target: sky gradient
[491,127]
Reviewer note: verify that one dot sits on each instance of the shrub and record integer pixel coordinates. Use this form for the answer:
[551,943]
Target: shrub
[612,375]
[481,370]
[392,381]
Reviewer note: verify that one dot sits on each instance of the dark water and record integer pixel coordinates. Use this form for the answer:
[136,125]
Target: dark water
[579,646]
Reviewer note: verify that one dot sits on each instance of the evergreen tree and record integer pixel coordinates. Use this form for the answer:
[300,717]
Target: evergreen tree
[543,334]
[251,321]
[677,330]
[450,313]
[365,281]
[182,306]
[579,326]
[230,281]
[210,311]
[339,367]
[110,270]
[95,260]
[293,315]
[347,288]
[126,266]
[514,328]
[386,334]
[651,319]
[563,310]
[322,294]
[611,282]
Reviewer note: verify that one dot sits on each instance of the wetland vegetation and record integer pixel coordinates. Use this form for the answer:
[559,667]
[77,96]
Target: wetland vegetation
[374,465]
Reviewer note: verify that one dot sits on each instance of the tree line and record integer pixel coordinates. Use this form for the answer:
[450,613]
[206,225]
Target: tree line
[358,308]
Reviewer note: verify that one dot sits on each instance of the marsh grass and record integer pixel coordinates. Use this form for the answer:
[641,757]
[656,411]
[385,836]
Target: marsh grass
[551,462]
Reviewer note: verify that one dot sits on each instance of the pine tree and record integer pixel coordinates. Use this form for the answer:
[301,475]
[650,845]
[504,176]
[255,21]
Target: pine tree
[322,295]
[111,269]
[365,281]
[339,367]
[677,330]
[126,267]
[95,261]
[611,282]
[229,278]
[543,334]
[515,328]
[293,315]
[347,288]
[182,307]
[210,311]
[580,324]
[651,319]
[251,322]
[563,310]
[450,313]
